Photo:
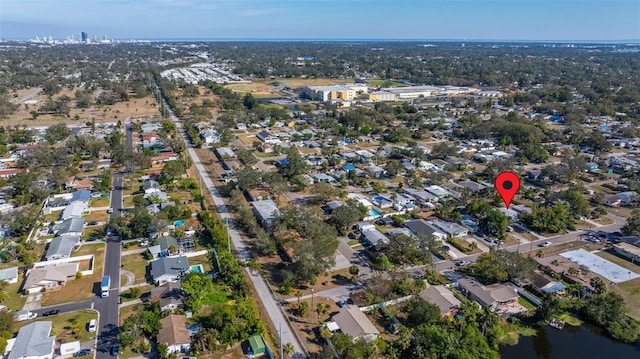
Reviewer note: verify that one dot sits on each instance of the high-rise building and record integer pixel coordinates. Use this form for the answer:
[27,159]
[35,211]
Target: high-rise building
[84,36]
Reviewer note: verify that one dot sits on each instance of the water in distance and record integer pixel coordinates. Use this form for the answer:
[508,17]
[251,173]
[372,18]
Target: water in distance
[586,341]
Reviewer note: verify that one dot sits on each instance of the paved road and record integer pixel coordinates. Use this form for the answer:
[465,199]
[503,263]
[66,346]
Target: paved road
[241,251]
[108,307]
[66,307]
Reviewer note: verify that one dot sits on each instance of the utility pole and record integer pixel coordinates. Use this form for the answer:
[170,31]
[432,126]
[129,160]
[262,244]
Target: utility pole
[226,220]
[281,350]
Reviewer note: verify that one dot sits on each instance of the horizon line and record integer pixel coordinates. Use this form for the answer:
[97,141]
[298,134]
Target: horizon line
[293,39]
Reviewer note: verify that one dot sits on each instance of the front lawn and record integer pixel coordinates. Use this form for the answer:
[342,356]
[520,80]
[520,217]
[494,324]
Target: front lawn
[68,327]
[15,300]
[97,216]
[136,264]
[100,202]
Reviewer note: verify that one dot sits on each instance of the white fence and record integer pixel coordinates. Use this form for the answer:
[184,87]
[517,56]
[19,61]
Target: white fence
[88,257]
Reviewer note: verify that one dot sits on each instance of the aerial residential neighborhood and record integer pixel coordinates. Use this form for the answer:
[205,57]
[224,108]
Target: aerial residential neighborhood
[248,199]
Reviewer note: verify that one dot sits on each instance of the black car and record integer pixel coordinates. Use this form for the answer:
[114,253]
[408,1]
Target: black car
[82,353]
[93,223]
[115,349]
[50,312]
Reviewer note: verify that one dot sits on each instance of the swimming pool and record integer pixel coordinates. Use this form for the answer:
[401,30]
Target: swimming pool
[373,213]
[197,268]
[178,223]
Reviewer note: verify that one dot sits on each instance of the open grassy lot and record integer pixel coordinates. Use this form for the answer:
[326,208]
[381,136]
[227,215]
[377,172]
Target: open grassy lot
[71,326]
[630,291]
[386,83]
[180,196]
[15,300]
[100,202]
[127,201]
[136,264]
[97,216]
[93,231]
[83,288]
[51,217]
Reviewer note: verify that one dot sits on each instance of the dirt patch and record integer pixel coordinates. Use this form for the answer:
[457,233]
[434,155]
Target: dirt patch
[135,107]
[307,326]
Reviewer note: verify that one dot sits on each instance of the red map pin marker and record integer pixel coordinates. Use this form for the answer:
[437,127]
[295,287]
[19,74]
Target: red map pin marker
[507,184]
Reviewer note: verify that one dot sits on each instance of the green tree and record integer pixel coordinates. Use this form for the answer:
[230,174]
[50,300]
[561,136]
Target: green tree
[632,227]
[56,133]
[598,285]
[288,349]
[103,184]
[420,312]
[323,191]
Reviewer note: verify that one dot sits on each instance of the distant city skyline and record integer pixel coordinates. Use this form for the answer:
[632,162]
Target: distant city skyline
[492,20]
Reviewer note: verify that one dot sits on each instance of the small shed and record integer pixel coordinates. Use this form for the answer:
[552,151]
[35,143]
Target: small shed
[69,348]
[256,344]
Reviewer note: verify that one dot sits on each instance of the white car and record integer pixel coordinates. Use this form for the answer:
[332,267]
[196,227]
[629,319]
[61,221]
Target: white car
[92,326]
[545,244]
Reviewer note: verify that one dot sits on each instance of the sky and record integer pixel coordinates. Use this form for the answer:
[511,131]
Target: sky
[579,20]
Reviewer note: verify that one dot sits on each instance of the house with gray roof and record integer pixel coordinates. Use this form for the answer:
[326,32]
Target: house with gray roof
[71,227]
[374,237]
[421,227]
[265,212]
[61,247]
[166,242]
[353,322]
[34,341]
[450,229]
[9,275]
[491,296]
[442,297]
[169,269]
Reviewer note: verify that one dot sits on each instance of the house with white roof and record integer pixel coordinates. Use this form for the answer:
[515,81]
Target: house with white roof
[34,341]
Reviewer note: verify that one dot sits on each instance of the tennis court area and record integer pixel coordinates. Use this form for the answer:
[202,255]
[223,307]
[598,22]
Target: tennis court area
[600,266]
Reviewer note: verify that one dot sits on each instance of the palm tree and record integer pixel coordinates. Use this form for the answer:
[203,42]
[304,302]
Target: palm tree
[288,349]
[573,271]
[299,295]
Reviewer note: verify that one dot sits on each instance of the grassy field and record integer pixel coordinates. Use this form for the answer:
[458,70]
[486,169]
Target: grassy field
[15,300]
[526,303]
[71,326]
[83,288]
[630,291]
[97,216]
[51,217]
[136,264]
[127,201]
[93,231]
[388,83]
[100,202]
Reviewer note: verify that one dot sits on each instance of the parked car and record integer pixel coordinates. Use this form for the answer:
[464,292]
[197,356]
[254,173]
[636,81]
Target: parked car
[92,223]
[91,327]
[115,349]
[82,353]
[50,312]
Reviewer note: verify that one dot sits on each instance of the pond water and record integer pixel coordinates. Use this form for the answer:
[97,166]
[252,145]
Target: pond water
[586,342]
